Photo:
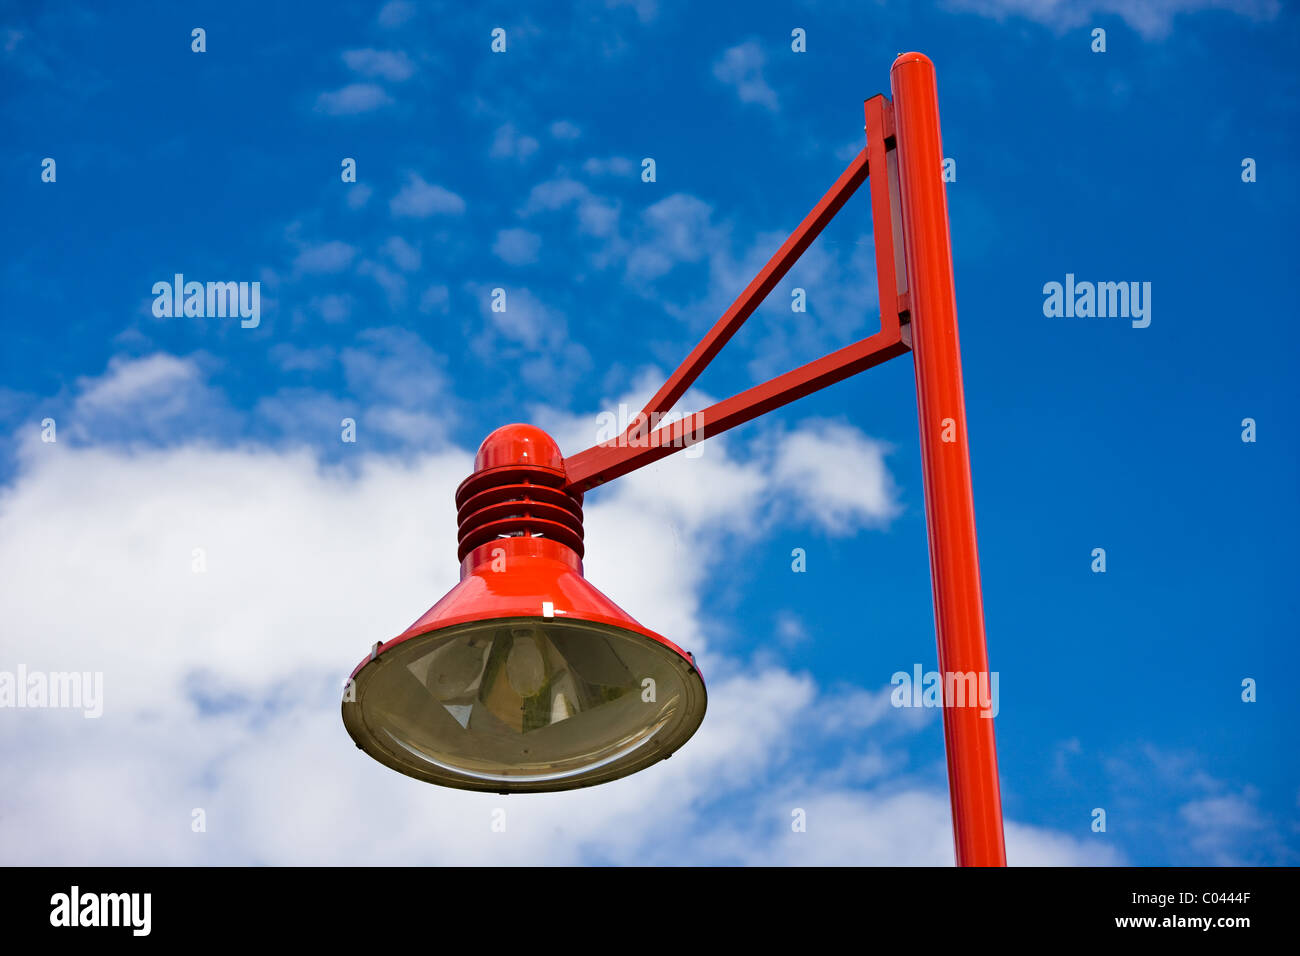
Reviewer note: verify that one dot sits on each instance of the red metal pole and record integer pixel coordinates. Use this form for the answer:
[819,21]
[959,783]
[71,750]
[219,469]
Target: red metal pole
[945,456]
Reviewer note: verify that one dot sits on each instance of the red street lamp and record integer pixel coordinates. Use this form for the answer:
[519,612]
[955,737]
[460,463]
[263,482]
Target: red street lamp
[526,678]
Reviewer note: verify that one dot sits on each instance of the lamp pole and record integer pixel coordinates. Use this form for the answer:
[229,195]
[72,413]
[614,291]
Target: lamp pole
[945,461]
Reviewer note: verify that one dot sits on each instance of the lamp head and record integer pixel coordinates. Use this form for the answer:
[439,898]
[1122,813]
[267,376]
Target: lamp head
[524,677]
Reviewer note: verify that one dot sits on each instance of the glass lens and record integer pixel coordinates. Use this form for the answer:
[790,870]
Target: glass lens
[528,700]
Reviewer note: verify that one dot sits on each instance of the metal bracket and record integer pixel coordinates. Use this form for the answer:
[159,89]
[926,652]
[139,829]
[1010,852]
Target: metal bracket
[643,443]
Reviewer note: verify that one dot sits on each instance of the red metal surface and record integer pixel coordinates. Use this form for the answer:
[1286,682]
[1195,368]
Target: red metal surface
[535,571]
[635,449]
[518,488]
[886,221]
[519,444]
[949,502]
[603,463]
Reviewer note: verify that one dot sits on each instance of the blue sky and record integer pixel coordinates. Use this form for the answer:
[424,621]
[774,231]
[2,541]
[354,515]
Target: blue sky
[522,170]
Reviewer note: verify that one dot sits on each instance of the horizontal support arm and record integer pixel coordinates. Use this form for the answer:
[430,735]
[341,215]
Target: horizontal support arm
[603,463]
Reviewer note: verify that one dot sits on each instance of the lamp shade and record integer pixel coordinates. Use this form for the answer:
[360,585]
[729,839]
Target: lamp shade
[524,677]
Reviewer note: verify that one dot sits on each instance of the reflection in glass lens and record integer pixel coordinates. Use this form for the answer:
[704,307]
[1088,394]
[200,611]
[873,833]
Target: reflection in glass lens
[523,699]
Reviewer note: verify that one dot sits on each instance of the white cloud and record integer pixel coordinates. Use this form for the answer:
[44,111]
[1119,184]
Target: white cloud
[353,98]
[291,358]
[741,68]
[420,200]
[838,474]
[1153,19]
[436,298]
[646,10]
[509,143]
[393,283]
[517,247]
[849,151]
[526,320]
[394,366]
[130,382]
[554,194]
[333,256]
[1221,827]
[395,389]
[565,130]
[165,400]
[358,195]
[1037,846]
[405,255]
[613,166]
[221,688]
[596,215]
[392,65]
[305,571]
[676,229]
[143,400]
[1218,822]
[332,307]
[791,630]
[396,12]
[906,827]
[412,427]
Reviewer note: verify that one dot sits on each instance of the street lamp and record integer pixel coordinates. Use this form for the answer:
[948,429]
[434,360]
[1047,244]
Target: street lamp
[526,678]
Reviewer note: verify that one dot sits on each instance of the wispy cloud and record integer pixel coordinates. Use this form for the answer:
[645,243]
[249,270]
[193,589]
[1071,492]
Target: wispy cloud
[352,99]
[596,215]
[358,195]
[1153,19]
[509,143]
[386,64]
[813,463]
[677,229]
[565,130]
[419,199]
[525,320]
[334,256]
[741,68]
[517,247]
[393,283]
[436,298]
[152,400]
[396,12]
[291,358]
[404,255]
[646,10]
[613,166]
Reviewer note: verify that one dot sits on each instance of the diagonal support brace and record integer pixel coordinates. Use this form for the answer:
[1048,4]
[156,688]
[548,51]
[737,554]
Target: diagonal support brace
[642,443]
